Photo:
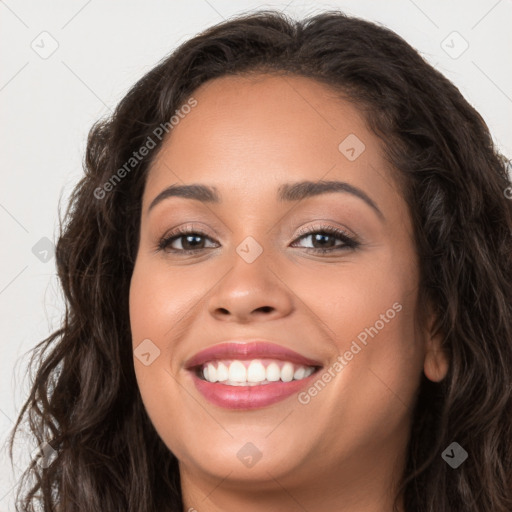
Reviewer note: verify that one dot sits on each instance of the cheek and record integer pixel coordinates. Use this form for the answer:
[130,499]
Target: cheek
[368,313]
[161,300]
[157,302]
[351,296]
[385,373]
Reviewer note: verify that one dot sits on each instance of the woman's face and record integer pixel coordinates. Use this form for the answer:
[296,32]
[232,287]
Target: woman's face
[255,270]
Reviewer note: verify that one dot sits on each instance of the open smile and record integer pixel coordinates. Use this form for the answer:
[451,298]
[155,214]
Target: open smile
[250,375]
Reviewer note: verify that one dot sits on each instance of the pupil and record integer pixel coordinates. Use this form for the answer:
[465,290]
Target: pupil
[320,236]
[187,240]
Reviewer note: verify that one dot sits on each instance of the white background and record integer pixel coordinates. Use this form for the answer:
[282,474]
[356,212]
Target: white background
[48,105]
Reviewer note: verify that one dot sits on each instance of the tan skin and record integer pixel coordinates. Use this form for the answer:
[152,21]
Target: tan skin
[345,449]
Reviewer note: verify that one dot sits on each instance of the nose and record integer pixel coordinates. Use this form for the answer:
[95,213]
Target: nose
[251,292]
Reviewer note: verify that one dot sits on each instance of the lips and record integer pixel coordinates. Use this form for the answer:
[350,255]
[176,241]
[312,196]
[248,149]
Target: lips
[229,394]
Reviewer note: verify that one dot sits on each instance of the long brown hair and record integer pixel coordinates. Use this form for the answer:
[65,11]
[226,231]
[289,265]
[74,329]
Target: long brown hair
[85,398]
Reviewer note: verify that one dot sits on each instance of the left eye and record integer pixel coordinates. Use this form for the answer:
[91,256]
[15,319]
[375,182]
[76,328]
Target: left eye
[326,240]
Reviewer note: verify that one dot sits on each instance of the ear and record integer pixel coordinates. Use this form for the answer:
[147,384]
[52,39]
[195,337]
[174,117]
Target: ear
[435,365]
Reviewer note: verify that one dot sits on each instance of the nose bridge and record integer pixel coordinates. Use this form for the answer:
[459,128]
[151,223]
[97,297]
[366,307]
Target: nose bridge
[251,286]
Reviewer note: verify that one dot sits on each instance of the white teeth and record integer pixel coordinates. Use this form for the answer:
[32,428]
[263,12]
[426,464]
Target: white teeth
[212,373]
[238,373]
[222,372]
[273,372]
[256,372]
[287,372]
[299,373]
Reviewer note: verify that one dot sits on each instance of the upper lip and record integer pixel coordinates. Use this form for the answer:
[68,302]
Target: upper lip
[256,349]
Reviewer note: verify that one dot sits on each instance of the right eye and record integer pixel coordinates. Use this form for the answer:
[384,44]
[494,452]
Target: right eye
[189,240]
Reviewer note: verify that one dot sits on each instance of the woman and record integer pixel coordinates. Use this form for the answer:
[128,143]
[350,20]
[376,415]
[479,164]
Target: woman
[289,287]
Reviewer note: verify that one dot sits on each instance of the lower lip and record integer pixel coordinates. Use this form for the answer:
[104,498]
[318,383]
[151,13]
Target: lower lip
[249,397]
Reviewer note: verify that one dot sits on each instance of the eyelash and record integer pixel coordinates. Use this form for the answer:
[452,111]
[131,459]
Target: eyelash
[349,242]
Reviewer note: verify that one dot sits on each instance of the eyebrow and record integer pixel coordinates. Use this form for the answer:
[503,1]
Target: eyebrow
[286,192]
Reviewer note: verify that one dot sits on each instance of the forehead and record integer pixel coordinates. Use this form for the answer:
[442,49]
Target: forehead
[250,134]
